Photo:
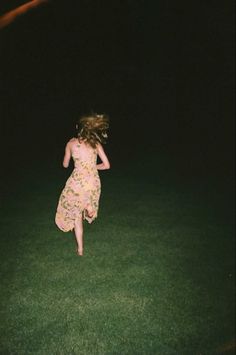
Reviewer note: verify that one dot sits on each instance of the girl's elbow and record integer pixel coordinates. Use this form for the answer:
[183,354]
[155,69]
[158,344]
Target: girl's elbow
[108,166]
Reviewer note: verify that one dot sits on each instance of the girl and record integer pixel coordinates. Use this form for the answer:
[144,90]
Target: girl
[80,197]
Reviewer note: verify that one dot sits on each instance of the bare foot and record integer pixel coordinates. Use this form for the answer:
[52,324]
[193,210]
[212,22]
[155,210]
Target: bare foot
[79,252]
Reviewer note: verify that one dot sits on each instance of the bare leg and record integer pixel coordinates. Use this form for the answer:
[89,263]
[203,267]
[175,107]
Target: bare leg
[79,235]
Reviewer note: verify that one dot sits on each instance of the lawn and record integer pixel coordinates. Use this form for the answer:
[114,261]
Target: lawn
[157,276]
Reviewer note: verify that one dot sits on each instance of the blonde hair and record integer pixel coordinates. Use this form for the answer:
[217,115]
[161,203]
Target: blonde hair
[93,128]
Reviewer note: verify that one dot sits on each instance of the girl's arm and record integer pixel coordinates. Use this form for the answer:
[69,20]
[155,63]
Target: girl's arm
[105,162]
[67,156]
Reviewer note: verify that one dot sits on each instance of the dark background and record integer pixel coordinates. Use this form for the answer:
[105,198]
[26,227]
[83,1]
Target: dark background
[162,70]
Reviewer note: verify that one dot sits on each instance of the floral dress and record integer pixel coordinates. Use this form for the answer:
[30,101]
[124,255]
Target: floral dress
[82,190]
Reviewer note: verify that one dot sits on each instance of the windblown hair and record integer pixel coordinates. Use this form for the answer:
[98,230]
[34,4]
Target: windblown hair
[93,129]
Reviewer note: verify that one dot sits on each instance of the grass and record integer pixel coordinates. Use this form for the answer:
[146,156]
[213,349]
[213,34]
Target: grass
[157,276]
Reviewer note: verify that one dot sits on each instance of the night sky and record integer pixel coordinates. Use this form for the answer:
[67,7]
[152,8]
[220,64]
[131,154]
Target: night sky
[162,70]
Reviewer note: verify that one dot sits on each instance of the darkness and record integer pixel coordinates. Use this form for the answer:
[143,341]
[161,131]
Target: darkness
[162,70]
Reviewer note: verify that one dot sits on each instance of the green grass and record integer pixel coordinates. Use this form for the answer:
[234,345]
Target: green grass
[157,276]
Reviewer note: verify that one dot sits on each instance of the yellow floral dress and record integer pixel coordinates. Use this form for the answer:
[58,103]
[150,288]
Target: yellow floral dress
[82,190]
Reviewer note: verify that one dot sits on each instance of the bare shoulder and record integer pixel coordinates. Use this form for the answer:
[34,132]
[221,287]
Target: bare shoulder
[100,150]
[72,142]
[99,147]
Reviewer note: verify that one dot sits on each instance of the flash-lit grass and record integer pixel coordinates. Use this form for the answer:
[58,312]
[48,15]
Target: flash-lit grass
[157,276]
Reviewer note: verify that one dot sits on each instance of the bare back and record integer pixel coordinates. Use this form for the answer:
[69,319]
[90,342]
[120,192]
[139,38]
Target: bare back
[79,149]
[84,156]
